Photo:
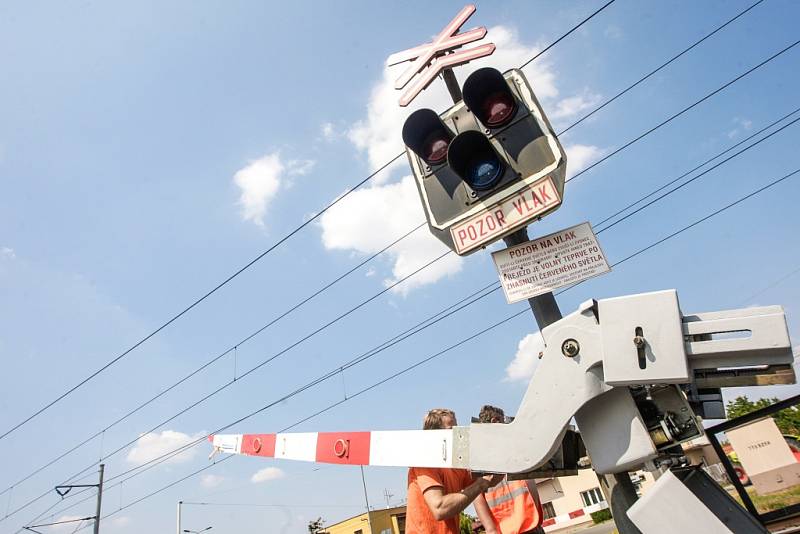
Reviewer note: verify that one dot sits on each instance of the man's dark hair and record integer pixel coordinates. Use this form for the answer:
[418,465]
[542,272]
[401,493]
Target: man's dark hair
[492,414]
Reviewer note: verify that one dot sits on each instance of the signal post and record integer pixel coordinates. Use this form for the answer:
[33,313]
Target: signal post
[626,369]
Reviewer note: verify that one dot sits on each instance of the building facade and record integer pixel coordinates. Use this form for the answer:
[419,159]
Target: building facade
[388,521]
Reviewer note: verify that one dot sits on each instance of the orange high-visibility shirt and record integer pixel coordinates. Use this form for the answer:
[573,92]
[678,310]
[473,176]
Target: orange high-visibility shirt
[419,519]
[513,507]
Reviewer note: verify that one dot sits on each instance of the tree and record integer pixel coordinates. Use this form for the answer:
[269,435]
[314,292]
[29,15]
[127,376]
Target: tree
[315,527]
[465,523]
[787,420]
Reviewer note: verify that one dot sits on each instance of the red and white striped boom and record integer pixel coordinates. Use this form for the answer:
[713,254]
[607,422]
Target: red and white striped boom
[422,448]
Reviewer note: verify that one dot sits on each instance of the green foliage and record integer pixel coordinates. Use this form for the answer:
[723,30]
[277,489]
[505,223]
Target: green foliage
[465,523]
[601,515]
[788,420]
[316,527]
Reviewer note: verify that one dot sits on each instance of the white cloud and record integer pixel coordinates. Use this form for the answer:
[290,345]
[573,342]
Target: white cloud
[211,481]
[581,156]
[526,359]
[367,219]
[741,125]
[384,210]
[379,133]
[299,167]
[573,105]
[7,252]
[329,132]
[259,182]
[119,522]
[267,474]
[153,445]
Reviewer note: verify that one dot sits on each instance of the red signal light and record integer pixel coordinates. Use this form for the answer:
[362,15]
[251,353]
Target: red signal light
[498,109]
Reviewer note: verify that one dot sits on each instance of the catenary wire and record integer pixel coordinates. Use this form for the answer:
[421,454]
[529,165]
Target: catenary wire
[698,176]
[440,257]
[485,330]
[663,65]
[254,260]
[706,162]
[686,109]
[660,67]
[565,35]
[41,496]
[628,144]
[627,258]
[215,358]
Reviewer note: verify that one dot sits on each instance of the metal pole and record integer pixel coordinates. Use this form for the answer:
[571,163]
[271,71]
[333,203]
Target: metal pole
[618,489]
[178,530]
[99,501]
[452,85]
[366,499]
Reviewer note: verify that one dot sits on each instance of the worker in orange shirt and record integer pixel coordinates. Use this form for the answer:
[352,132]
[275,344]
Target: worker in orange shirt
[437,496]
[514,504]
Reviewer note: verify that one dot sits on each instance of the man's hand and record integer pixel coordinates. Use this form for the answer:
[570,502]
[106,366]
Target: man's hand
[489,481]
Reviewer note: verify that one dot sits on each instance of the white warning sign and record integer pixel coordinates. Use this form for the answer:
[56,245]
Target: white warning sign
[546,263]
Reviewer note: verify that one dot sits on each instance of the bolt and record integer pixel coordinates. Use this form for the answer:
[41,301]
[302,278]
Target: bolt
[473,194]
[639,341]
[570,348]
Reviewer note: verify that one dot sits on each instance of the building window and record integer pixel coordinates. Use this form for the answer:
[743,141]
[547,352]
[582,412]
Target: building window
[548,510]
[592,496]
[359,531]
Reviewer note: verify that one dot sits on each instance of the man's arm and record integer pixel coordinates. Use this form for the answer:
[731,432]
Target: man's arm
[485,515]
[446,506]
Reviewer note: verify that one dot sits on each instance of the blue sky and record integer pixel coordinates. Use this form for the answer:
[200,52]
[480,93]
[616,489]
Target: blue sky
[149,150]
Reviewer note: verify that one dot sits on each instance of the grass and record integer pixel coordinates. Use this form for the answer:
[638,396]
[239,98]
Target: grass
[770,501]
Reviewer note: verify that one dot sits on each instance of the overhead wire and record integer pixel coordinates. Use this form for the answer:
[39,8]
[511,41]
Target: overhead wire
[662,66]
[353,188]
[698,176]
[603,105]
[615,152]
[172,453]
[252,262]
[686,109]
[483,331]
[215,358]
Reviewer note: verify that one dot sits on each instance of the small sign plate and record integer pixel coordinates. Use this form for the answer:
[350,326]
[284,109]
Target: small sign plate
[546,263]
[499,219]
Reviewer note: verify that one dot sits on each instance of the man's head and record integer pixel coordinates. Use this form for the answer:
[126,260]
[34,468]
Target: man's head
[439,418]
[492,414]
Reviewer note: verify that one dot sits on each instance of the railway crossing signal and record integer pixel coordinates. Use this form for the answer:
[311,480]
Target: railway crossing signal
[487,166]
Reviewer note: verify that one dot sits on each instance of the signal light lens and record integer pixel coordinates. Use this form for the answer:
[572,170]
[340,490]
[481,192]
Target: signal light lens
[473,158]
[436,151]
[488,95]
[482,174]
[426,134]
[498,109]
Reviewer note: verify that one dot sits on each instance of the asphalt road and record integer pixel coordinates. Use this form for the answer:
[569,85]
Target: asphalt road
[602,528]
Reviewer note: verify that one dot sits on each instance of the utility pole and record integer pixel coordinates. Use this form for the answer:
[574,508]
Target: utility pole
[366,499]
[66,488]
[99,500]
[388,496]
[178,531]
